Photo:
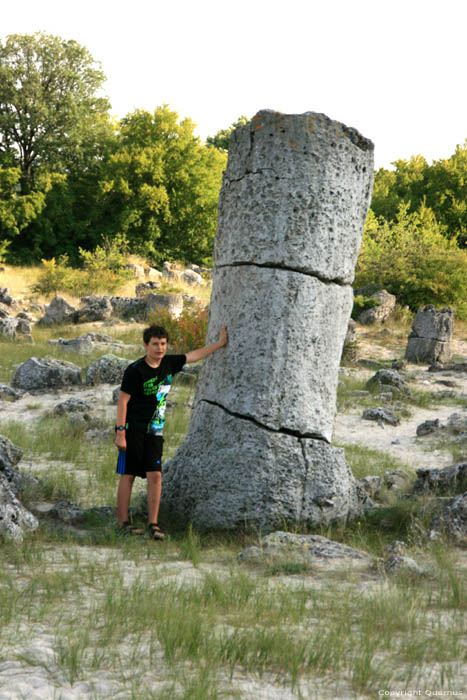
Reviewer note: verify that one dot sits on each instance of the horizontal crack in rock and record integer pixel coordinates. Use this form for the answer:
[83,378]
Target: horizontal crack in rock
[276,266]
[281,431]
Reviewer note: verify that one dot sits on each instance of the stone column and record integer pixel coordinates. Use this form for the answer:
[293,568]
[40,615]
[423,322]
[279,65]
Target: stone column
[292,207]
[430,336]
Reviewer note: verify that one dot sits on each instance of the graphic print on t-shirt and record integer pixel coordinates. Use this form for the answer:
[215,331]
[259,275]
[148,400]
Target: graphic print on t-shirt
[160,390]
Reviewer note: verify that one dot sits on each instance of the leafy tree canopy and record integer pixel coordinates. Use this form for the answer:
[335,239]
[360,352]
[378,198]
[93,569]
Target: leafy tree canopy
[50,110]
[222,138]
[160,187]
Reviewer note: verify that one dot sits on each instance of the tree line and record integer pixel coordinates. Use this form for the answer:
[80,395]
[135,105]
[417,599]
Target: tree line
[71,178]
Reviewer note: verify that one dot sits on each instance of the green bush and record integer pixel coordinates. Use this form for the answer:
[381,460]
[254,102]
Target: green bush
[103,271]
[362,303]
[412,259]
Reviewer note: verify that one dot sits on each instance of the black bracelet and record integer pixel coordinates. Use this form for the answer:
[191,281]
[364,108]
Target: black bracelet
[120,427]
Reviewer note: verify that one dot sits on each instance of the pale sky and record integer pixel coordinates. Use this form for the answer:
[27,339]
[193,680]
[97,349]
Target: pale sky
[393,70]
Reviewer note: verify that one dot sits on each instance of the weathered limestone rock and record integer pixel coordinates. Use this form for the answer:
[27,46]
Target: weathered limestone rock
[172,303]
[231,472]
[282,367]
[388,380]
[295,195]
[14,518]
[128,307]
[192,277]
[94,308]
[45,373]
[145,288]
[430,336]
[108,369]
[386,305]
[293,202]
[58,311]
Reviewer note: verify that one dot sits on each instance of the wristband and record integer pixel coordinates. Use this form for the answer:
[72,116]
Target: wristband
[120,427]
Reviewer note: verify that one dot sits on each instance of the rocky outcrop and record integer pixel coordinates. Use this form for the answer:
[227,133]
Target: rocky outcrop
[389,380]
[381,312]
[45,373]
[302,548]
[94,308]
[171,303]
[14,518]
[59,311]
[430,337]
[108,369]
[293,202]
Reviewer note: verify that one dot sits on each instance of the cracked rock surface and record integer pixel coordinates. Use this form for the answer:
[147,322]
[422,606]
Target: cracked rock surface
[293,203]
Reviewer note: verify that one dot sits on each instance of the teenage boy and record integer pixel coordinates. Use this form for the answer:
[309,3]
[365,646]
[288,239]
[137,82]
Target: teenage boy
[140,421]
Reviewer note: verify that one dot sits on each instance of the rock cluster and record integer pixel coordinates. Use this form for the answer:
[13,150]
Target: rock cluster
[430,336]
[292,207]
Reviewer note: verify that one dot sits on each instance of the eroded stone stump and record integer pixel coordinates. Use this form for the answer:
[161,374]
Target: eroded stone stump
[430,336]
[293,203]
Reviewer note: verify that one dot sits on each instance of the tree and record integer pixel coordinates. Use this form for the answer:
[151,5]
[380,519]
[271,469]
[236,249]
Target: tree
[50,111]
[412,258]
[161,187]
[222,138]
[17,211]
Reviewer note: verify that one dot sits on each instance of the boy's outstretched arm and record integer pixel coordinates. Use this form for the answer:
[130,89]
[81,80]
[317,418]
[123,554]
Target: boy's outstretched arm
[201,353]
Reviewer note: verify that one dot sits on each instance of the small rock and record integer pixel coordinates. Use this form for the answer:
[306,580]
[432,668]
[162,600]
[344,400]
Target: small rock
[381,414]
[427,427]
[67,512]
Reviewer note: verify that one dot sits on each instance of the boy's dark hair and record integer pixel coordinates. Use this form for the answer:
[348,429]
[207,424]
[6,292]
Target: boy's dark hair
[154,332]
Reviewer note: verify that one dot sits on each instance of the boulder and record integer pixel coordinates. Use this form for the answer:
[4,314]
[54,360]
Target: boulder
[136,270]
[67,512]
[108,369]
[305,548]
[381,415]
[6,298]
[46,373]
[15,520]
[171,303]
[449,480]
[191,277]
[430,336]
[9,394]
[128,307]
[452,521]
[72,405]
[145,288]
[388,380]
[10,455]
[94,308]
[153,274]
[59,311]
[5,311]
[386,306]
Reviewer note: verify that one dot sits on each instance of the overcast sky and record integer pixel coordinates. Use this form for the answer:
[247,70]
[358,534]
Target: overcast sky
[393,70]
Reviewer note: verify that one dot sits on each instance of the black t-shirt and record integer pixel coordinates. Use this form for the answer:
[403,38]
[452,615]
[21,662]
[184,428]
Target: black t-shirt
[148,388]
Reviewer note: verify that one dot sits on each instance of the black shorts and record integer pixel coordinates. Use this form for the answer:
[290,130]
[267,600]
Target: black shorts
[143,454]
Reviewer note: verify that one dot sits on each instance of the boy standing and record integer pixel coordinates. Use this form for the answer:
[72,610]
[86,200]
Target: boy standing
[140,421]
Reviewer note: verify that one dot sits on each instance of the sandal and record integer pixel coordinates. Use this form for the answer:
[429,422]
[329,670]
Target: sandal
[127,529]
[155,531]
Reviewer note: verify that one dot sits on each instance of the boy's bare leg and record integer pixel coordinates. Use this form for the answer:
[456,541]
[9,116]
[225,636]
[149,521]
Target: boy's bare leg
[125,486]
[154,495]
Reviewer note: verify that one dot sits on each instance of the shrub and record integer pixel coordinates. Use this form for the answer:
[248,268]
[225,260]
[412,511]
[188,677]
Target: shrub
[103,271]
[187,332]
[362,303]
[412,259]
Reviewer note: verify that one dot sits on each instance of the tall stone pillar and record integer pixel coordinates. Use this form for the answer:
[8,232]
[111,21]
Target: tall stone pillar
[293,203]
